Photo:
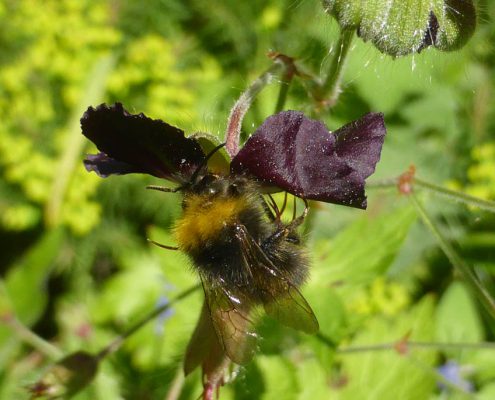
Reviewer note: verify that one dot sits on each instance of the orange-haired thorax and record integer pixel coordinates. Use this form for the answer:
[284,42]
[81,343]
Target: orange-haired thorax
[205,217]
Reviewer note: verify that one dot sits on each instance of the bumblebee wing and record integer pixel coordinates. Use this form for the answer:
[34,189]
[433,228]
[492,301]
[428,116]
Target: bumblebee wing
[230,318]
[203,343]
[281,298]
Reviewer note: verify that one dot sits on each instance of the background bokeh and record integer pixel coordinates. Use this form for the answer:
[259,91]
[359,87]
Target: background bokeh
[75,265]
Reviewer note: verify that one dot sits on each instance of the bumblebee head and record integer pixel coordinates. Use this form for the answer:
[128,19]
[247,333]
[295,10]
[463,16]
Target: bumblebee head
[212,185]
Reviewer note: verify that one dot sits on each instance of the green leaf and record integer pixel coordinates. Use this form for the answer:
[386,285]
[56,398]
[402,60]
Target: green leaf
[313,380]
[483,362]
[486,392]
[383,375]
[457,320]
[163,341]
[457,316]
[363,250]
[25,282]
[129,292]
[279,377]
[331,314]
[457,21]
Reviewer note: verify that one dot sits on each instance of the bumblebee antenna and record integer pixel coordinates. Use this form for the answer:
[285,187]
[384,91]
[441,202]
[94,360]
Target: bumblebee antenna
[164,189]
[194,176]
[163,246]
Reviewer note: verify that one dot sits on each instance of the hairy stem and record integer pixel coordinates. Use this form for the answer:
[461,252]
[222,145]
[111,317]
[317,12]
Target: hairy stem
[117,342]
[417,345]
[32,339]
[285,81]
[456,196]
[329,91]
[453,195]
[465,270]
[234,123]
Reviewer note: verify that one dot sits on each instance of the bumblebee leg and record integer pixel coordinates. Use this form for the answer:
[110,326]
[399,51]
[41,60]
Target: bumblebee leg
[284,204]
[274,207]
[285,230]
[267,209]
[163,246]
[294,208]
[296,221]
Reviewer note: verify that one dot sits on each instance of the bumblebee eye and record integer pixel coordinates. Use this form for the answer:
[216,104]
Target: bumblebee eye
[233,189]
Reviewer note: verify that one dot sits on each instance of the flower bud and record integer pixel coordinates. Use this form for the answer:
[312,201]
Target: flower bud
[67,377]
[397,29]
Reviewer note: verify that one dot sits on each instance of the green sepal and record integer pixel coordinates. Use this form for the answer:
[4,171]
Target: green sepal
[457,22]
[347,13]
[219,162]
[401,27]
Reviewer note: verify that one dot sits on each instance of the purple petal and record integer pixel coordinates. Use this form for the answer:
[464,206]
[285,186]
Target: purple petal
[301,156]
[105,166]
[139,144]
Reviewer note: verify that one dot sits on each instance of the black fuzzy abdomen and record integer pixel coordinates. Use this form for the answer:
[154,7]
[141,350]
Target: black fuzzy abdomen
[222,260]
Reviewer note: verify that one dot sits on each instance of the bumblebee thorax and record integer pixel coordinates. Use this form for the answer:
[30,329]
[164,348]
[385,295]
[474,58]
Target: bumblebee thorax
[209,207]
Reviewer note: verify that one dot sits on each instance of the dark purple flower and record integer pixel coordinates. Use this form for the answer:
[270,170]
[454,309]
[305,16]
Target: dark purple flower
[105,166]
[288,151]
[299,155]
[136,143]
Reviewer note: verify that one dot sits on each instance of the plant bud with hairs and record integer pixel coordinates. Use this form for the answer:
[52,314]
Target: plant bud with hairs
[401,27]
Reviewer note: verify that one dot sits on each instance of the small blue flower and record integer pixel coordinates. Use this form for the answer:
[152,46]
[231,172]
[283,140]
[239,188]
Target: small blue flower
[453,373]
[160,321]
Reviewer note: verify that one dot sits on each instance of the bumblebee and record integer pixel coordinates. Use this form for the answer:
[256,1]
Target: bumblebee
[246,256]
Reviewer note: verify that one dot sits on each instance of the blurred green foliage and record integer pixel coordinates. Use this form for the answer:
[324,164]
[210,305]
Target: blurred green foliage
[75,265]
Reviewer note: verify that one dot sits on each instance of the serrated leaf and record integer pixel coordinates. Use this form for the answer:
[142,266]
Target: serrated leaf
[363,250]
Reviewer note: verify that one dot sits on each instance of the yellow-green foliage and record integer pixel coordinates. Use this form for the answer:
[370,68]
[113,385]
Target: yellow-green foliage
[154,76]
[482,173]
[44,83]
[76,243]
[41,84]
[382,297]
